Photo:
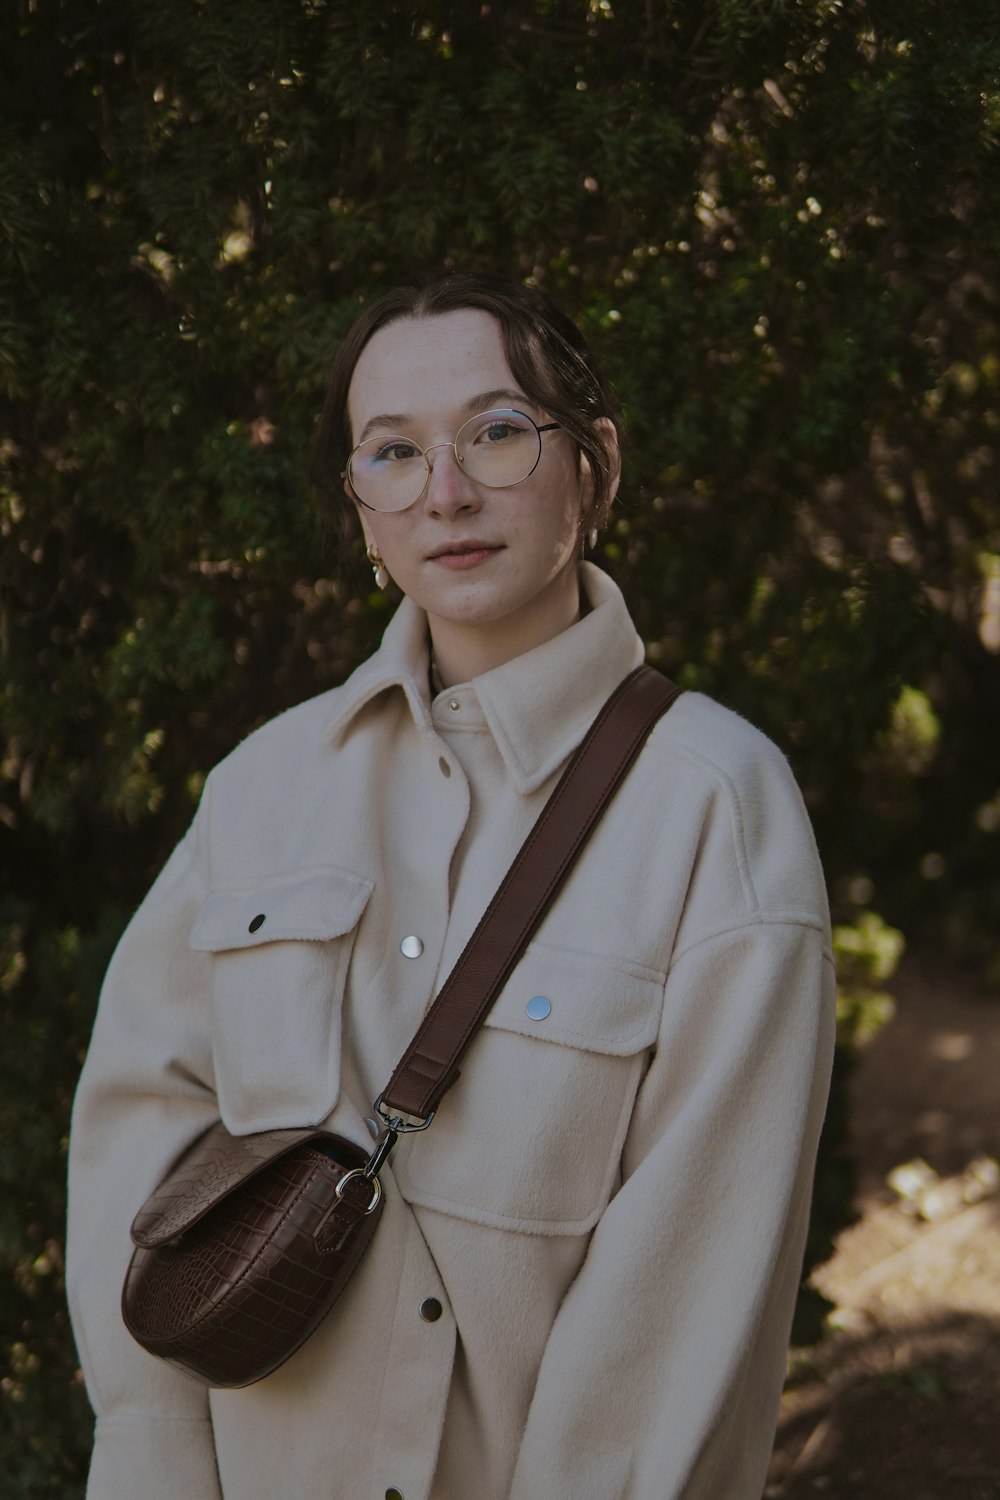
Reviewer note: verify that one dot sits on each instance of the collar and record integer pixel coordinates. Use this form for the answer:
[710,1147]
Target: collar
[538,706]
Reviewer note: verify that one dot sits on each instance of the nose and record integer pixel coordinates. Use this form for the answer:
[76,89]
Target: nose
[449,489]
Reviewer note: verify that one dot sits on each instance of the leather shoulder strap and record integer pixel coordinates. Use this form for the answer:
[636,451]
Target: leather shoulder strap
[431,1062]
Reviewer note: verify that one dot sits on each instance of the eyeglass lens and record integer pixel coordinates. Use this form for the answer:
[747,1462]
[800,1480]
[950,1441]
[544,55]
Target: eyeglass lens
[495,448]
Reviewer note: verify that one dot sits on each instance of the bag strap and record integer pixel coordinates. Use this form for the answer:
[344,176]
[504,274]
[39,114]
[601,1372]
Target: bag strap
[431,1063]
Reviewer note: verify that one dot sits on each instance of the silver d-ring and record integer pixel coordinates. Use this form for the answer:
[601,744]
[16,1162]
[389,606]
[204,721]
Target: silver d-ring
[376,1188]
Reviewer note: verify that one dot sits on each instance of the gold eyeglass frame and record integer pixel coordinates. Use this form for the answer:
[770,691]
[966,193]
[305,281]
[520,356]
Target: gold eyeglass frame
[494,411]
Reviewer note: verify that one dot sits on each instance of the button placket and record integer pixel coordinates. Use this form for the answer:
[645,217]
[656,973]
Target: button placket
[401,1433]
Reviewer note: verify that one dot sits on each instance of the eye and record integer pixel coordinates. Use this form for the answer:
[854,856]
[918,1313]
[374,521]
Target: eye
[393,451]
[498,429]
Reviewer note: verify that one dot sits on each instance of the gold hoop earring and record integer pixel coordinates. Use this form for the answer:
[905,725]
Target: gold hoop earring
[379,570]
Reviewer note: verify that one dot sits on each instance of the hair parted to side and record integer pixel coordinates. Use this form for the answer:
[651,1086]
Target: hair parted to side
[548,358]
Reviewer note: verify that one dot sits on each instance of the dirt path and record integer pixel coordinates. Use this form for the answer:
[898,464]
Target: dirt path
[901,1401]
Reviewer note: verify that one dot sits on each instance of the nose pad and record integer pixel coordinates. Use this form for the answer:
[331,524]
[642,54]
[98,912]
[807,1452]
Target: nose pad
[435,448]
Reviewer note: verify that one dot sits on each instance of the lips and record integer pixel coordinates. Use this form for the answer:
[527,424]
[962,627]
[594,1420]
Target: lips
[463,548]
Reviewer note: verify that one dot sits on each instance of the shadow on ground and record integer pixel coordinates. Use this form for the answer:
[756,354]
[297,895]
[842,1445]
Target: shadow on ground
[900,1400]
[877,1417]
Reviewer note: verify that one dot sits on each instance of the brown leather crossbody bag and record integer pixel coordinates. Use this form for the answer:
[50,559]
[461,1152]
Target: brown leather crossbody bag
[247,1243]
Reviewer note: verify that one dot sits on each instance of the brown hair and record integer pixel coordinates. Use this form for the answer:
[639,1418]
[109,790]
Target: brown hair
[545,350]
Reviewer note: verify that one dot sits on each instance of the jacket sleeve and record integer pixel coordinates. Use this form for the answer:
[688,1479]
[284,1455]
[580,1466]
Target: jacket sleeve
[664,1368]
[145,1093]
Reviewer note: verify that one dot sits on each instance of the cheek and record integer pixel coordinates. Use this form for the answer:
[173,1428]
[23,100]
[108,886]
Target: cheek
[393,542]
[567,507]
[575,480]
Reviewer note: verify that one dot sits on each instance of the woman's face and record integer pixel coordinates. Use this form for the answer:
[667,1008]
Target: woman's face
[495,569]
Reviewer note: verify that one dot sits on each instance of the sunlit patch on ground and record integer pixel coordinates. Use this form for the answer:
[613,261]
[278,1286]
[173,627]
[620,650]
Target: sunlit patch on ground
[899,1400]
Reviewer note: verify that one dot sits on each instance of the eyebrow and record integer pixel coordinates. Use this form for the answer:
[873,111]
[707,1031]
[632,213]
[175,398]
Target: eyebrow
[502,397]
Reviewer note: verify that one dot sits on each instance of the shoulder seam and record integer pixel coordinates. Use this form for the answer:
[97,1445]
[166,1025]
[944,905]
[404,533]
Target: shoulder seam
[788,918]
[725,782]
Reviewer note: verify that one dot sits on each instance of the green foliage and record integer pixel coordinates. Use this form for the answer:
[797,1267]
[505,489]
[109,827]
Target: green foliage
[779,224]
[48,985]
[867,953]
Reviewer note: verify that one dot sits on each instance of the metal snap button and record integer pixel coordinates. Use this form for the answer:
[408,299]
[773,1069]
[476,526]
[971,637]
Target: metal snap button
[258,921]
[411,947]
[538,1007]
[454,705]
[430,1309]
[393,1494]
[444,766]
[373,1128]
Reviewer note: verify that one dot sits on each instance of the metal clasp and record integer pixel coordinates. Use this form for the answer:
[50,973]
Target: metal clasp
[363,1173]
[379,1156]
[396,1123]
[395,1126]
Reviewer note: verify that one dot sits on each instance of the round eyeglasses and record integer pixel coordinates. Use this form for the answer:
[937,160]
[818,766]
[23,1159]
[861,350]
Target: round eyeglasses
[496,448]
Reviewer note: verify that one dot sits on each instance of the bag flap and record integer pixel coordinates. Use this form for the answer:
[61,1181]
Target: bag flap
[216,1163]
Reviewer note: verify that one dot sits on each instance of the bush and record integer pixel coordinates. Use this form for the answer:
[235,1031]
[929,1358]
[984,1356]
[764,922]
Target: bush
[779,225]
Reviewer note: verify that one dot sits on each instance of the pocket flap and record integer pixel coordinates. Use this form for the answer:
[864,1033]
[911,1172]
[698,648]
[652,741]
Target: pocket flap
[595,1002]
[309,904]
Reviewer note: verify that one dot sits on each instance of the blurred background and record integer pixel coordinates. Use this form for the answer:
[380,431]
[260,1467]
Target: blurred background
[778,222]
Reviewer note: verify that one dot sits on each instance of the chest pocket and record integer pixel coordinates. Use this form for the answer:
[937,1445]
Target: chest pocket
[530,1136]
[281,951]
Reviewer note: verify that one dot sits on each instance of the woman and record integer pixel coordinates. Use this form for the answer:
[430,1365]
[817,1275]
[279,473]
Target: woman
[584,1276]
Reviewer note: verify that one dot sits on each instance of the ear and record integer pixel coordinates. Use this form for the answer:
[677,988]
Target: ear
[607,426]
[587,479]
[352,497]
[361,514]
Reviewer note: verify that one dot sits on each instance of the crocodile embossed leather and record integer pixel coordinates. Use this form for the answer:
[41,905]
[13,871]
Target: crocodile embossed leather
[243,1249]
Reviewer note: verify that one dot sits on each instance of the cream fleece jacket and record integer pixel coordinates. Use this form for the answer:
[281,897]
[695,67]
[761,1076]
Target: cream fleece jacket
[611,1204]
